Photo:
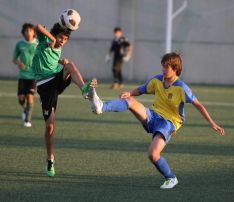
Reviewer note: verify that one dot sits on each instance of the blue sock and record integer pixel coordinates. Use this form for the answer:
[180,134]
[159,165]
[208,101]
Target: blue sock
[164,168]
[115,106]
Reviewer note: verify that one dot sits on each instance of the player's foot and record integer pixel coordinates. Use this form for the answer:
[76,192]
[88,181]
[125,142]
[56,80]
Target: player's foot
[121,86]
[27,124]
[50,171]
[96,102]
[85,88]
[23,116]
[169,183]
[115,86]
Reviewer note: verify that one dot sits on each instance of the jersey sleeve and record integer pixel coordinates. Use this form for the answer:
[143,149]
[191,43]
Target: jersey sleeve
[148,87]
[16,52]
[189,97]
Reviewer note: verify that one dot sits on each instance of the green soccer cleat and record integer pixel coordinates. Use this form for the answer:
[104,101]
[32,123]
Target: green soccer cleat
[87,85]
[50,171]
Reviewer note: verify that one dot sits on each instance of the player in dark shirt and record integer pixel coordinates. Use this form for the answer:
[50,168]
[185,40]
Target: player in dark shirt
[122,50]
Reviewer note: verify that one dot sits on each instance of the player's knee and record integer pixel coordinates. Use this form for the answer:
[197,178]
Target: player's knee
[131,101]
[154,156]
[70,66]
[49,128]
[21,101]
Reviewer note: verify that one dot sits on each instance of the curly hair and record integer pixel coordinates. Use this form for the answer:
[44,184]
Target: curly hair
[57,29]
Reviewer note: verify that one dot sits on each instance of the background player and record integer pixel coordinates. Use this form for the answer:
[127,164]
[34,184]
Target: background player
[167,113]
[122,51]
[22,57]
[52,79]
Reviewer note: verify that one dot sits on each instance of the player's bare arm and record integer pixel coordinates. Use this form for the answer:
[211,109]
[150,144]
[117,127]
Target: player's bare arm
[134,92]
[63,61]
[130,48]
[19,64]
[44,31]
[206,115]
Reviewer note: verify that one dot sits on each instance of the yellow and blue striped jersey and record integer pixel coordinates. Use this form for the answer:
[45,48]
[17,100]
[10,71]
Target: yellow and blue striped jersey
[169,102]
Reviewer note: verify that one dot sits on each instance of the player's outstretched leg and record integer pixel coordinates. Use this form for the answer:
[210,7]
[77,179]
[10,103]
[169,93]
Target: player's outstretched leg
[98,107]
[70,70]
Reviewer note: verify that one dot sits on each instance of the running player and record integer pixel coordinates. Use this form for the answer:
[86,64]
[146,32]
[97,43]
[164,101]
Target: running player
[52,79]
[122,51]
[22,57]
[166,115]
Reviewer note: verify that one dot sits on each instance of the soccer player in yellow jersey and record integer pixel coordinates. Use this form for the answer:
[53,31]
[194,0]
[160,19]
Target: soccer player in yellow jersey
[166,115]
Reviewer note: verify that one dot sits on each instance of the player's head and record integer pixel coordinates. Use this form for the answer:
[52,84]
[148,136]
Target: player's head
[172,60]
[28,31]
[118,32]
[60,34]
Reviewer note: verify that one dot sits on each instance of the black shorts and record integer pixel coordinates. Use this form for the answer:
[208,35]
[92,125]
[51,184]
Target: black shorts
[49,92]
[26,86]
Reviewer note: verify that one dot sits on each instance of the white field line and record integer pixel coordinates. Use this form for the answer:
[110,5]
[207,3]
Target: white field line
[70,96]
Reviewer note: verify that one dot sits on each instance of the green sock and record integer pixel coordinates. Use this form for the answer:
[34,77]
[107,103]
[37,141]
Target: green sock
[85,88]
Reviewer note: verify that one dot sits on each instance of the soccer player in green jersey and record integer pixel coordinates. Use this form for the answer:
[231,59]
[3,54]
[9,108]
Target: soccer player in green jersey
[22,57]
[53,75]
[166,115]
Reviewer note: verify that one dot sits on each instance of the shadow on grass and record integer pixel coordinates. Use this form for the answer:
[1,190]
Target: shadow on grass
[101,120]
[81,120]
[22,186]
[116,145]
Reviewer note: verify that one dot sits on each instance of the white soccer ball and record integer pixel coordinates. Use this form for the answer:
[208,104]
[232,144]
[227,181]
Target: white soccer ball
[70,19]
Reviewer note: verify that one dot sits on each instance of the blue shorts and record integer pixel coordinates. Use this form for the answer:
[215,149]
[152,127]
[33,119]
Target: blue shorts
[157,124]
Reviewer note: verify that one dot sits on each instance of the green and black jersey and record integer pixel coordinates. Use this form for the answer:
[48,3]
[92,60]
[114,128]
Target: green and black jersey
[45,61]
[24,51]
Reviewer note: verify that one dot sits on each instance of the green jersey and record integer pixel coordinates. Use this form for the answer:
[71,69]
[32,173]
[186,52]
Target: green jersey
[45,62]
[25,50]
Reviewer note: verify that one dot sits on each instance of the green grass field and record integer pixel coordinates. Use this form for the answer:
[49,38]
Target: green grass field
[104,158]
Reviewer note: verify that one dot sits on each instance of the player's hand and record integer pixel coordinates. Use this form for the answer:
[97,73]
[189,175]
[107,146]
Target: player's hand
[126,58]
[52,44]
[64,61]
[125,95]
[107,58]
[217,129]
[21,65]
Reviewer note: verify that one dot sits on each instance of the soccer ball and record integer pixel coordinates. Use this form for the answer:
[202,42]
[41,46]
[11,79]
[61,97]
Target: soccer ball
[69,19]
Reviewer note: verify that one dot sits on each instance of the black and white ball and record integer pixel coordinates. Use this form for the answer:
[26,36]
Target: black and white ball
[70,19]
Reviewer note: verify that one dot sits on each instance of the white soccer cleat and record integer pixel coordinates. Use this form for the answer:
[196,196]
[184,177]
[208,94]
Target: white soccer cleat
[27,124]
[96,102]
[169,183]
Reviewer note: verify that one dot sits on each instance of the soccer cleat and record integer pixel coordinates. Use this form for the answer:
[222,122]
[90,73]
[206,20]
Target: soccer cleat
[50,171]
[85,88]
[27,124]
[169,183]
[115,86]
[96,102]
